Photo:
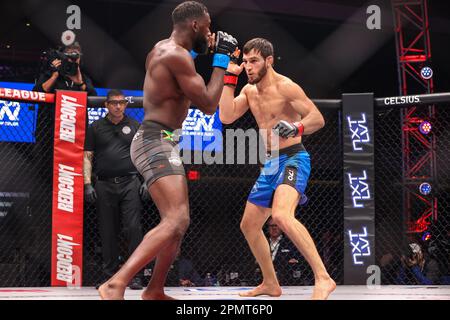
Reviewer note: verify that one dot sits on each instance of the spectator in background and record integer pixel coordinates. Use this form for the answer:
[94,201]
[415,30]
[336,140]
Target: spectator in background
[118,190]
[286,258]
[330,254]
[389,266]
[418,268]
[438,248]
[182,273]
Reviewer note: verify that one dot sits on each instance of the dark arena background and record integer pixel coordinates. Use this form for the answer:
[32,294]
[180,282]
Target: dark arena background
[349,57]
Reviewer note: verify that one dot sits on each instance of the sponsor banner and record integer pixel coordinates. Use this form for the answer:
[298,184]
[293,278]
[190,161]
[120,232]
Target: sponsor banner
[67,213]
[359,187]
[24,95]
[401,100]
[17,121]
[201,130]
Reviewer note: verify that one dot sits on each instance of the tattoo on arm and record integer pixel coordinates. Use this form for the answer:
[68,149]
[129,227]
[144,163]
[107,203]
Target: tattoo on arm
[87,166]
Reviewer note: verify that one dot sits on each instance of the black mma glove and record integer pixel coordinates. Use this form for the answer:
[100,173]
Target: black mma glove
[223,49]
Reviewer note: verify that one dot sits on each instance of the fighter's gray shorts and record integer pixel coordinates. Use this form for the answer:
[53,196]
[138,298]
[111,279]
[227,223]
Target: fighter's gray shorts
[154,152]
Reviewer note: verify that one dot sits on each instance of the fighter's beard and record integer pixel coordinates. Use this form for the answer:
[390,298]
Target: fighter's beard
[200,46]
[261,75]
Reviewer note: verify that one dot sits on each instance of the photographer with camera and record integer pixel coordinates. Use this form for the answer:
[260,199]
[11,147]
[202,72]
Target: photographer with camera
[62,71]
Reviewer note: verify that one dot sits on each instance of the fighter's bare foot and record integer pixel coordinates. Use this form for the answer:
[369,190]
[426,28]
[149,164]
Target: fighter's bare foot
[262,289]
[152,295]
[111,291]
[323,288]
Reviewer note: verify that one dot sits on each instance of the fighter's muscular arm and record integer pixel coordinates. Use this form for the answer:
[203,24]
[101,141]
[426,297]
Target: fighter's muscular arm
[231,108]
[312,119]
[205,97]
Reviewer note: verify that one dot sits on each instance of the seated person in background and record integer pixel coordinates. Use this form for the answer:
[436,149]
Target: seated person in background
[418,268]
[286,258]
[182,273]
[390,264]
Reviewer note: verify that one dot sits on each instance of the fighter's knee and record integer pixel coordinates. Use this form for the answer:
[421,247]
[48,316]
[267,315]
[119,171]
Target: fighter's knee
[243,226]
[246,226]
[183,224]
[178,226]
[279,218]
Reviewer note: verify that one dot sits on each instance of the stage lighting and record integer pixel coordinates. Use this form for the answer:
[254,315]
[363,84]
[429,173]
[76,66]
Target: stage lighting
[426,73]
[425,188]
[193,175]
[426,236]
[425,127]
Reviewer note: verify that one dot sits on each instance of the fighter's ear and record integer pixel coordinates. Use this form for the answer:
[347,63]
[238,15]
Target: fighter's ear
[195,25]
[269,60]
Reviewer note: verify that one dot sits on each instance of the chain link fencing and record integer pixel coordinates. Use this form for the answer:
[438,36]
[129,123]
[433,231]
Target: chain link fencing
[26,196]
[394,254]
[214,244]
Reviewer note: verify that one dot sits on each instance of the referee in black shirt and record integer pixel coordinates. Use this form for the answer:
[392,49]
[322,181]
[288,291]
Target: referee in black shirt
[118,189]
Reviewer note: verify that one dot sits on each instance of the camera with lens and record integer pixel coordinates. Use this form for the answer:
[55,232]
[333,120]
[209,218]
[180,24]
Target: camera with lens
[68,67]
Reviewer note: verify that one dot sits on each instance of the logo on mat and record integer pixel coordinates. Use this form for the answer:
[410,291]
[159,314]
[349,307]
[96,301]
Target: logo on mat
[126,130]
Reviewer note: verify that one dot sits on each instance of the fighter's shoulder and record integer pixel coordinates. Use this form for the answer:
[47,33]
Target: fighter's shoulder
[166,51]
[248,89]
[284,82]
[172,51]
[288,87]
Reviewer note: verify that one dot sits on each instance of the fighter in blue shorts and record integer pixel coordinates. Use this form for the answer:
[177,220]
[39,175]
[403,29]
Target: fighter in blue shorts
[291,167]
[283,113]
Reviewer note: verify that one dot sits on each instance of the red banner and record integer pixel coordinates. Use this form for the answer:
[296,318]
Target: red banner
[67,212]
